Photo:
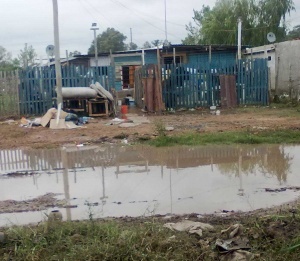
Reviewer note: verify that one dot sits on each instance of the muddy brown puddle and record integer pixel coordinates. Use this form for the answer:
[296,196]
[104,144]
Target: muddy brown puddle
[115,181]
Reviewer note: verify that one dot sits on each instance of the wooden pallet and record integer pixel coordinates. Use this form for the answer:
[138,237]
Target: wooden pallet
[98,107]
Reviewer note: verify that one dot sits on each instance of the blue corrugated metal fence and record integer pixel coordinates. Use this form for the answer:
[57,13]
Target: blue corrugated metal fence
[37,85]
[194,85]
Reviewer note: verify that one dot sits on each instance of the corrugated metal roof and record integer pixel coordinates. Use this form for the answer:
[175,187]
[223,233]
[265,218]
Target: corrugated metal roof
[178,47]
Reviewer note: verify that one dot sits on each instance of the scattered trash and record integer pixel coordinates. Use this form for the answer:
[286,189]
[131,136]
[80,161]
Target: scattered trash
[214,111]
[59,119]
[115,121]
[169,128]
[233,231]
[29,123]
[238,255]
[189,226]
[234,246]
[52,114]
[125,141]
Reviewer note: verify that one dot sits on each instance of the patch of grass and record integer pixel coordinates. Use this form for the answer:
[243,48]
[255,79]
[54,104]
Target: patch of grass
[98,241]
[160,128]
[243,137]
[274,237]
[279,109]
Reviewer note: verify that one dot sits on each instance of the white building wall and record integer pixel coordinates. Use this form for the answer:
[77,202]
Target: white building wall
[284,66]
[288,68]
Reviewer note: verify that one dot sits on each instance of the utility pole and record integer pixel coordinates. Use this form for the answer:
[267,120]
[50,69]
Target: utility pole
[94,28]
[166,32]
[26,57]
[130,38]
[67,57]
[239,38]
[57,54]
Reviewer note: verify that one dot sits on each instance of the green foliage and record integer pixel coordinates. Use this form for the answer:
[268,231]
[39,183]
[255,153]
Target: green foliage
[98,241]
[132,46]
[27,56]
[272,235]
[157,42]
[74,53]
[294,33]
[160,128]
[147,45]
[243,137]
[219,24]
[110,39]
[6,61]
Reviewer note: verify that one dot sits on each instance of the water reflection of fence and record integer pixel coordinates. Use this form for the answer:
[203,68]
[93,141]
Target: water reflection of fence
[37,160]
[92,156]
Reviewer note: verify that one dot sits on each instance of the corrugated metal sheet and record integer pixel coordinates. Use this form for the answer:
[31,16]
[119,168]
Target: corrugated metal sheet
[228,91]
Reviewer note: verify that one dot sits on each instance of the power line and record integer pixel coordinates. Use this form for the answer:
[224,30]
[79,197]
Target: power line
[124,6]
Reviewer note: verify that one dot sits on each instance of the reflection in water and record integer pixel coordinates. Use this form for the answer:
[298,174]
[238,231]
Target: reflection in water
[65,165]
[141,180]
[270,160]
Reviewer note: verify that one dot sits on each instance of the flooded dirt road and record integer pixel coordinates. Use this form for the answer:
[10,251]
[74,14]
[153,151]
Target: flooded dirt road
[115,181]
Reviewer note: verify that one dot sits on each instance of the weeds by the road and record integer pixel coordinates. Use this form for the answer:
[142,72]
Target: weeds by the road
[273,237]
[242,137]
[83,241]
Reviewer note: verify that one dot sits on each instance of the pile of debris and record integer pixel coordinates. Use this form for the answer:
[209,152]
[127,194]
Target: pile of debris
[56,119]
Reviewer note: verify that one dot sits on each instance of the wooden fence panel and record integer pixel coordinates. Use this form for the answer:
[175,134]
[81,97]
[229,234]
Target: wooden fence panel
[9,94]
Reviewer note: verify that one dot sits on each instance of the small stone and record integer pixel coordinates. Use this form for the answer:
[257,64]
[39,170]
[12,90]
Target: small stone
[169,128]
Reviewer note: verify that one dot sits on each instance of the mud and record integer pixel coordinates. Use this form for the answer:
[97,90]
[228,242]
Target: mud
[99,130]
[36,204]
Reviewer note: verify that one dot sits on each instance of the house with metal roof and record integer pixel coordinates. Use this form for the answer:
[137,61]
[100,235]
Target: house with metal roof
[126,62]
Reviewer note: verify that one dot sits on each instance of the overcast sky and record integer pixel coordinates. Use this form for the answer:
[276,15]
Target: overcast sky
[31,21]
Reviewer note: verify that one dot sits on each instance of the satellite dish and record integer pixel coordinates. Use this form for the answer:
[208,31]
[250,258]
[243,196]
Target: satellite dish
[50,50]
[271,37]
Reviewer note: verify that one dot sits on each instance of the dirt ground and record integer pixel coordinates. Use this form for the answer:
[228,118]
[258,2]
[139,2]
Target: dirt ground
[99,130]
[268,230]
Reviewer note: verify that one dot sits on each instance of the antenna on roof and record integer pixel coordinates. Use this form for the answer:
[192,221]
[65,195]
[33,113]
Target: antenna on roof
[271,37]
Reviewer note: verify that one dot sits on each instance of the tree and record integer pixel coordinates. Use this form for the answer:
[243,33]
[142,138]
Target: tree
[132,46]
[6,62]
[219,24]
[195,35]
[72,54]
[109,40]
[27,56]
[157,42]
[294,33]
[147,45]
